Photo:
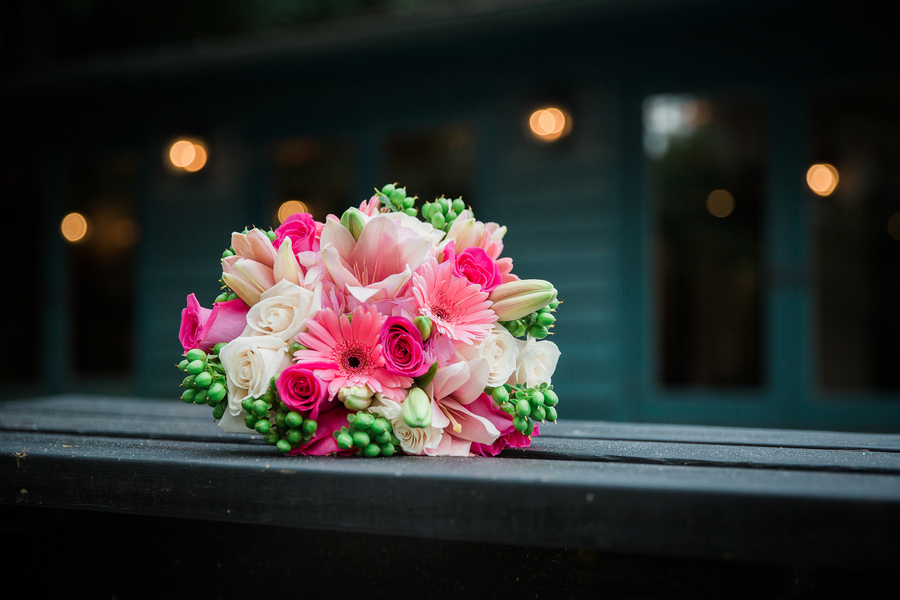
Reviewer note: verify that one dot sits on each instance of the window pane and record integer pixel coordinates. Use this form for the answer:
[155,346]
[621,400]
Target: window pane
[102,265]
[705,164]
[857,235]
[317,172]
[434,162]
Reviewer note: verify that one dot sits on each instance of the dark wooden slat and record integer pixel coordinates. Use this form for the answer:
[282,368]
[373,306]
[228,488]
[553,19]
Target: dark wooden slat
[600,430]
[754,514]
[722,455]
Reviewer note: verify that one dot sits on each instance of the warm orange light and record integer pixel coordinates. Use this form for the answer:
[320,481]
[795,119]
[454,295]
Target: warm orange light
[822,179]
[123,233]
[199,159]
[74,227]
[549,124]
[894,226]
[289,208]
[182,153]
[720,203]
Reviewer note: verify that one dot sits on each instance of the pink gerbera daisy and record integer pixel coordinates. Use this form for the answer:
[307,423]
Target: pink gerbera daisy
[457,309]
[345,351]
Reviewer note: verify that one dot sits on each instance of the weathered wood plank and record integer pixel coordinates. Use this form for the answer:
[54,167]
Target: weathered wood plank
[713,512]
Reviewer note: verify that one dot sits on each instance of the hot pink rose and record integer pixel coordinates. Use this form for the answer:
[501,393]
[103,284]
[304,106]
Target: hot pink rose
[204,328]
[302,230]
[510,437]
[474,264]
[302,391]
[323,442]
[402,348]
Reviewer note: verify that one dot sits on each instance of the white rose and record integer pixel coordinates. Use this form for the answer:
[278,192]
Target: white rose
[500,350]
[536,362]
[250,362]
[413,440]
[282,310]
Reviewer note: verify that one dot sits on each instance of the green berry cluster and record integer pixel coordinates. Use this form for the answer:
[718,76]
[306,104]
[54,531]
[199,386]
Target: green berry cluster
[368,436]
[527,405]
[205,382]
[537,324]
[394,199]
[277,423]
[442,212]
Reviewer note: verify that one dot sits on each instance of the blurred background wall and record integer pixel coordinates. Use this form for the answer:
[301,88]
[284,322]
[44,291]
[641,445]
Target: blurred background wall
[720,210]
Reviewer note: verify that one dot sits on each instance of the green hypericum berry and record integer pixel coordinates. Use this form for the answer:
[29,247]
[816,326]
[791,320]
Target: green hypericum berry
[361,439]
[437,220]
[183,364]
[344,441]
[216,392]
[387,449]
[283,446]
[269,397]
[371,451]
[219,411]
[388,189]
[363,421]
[188,382]
[247,403]
[203,380]
[508,407]
[444,204]
[227,253]
[551,414]
[262,426]
[500,395]
[451,215]
[250,420]
[523,408]
[529,427]
[195,366]
[398,195]
[218,347]
[428,210]
[232,296]
[260,408]
[520,423]
[293,419]
[271,437]
[553,305]
[188,395]
[408,203]
[545,319]
[308,427]
[538,332]
[458,205]
[271,235]
[223,297]
[412,211]
[383,438]
[538,413]
[537,398]
[550,398]
[195,354]
[200,398]
[379,426]
[293,436]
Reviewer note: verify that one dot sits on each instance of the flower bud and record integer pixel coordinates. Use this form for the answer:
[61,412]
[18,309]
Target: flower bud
[416,410]
[354,221]
[423,324]
[515,299]
[356,398]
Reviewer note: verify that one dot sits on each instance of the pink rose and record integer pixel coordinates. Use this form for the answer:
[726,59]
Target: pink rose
[302,391]
[204,328]
[402,348]
[323,442]
[302,230]
[510,437]
[474,264]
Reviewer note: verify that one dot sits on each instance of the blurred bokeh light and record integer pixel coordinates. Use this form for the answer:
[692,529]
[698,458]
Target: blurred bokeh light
[74,227]
[549,124]
[291,207]
[822,179]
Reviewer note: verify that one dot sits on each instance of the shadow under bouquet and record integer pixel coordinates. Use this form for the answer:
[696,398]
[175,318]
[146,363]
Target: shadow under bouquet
[385,331]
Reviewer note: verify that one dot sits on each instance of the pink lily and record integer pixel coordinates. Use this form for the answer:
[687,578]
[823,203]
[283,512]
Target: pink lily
[375,267]
[452,389]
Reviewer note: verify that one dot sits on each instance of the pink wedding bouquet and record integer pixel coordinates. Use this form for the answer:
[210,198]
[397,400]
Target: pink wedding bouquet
[380,332]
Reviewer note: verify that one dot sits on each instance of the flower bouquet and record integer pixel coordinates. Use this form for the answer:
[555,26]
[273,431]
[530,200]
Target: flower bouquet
[376,333]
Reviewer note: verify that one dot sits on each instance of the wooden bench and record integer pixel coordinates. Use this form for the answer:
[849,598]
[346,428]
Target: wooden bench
[137,497]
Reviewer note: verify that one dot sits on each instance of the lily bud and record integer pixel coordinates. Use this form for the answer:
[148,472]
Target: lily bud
[423,324]
[356,398]
[515,299]
[416,409]
[353,221]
